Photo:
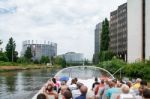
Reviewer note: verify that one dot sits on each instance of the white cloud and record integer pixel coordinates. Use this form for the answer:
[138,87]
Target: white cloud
[69,23]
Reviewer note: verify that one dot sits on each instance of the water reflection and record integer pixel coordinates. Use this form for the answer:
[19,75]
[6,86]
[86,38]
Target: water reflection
[23,84]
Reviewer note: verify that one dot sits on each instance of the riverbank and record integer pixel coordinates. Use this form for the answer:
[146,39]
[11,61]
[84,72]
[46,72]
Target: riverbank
[27,67]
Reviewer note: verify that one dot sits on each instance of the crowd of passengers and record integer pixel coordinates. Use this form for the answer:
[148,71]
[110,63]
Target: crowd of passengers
[103,89]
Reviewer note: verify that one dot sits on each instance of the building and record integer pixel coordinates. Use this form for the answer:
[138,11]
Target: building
[38,49]
[138,30]
[72,57]
[98,31]
[118,31]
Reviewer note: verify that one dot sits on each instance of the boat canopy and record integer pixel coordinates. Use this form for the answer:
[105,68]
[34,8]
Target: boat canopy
[84,72]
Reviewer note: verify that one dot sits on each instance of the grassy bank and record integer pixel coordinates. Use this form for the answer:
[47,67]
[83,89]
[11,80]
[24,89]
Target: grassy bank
[10,66]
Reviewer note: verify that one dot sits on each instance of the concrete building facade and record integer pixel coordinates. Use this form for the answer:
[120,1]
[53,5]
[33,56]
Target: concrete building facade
[138,30]
[118,31]
[97,39]
[40,49]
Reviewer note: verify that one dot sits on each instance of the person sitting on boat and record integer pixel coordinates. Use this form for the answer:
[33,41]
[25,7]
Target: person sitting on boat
[146,93]
[95,84]
[56,84]
[67,95]
[125,93]
[73,85]
[99,89]
[83,91]
[112,89]
[52,94]
[76,93]
[42,96]
[63,87]
[76,80]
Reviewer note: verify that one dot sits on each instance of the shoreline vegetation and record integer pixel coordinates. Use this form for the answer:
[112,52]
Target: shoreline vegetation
[11,66]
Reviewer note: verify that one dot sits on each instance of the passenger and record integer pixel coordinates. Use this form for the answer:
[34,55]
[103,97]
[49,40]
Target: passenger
[42,96]
[142,87]
[83,91]
[125,93]
[100,88]
[76,93]
[137,84]
[146,93]
[112,90]
[63,87]
[56,84]
[73,85]
[106,87]
[76,80]
[95,83]
[67,95]
[50,92]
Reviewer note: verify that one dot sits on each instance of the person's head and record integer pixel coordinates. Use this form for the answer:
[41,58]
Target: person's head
[73,81]
[125,89]
[76,79]
[79,85]
[67,94]
[129,83]
[41,96]
[96,80]
[102,81]
[146,93]
[49,87]
[138,80]
[83,90]
[143,83]
[63,82]
[54,80]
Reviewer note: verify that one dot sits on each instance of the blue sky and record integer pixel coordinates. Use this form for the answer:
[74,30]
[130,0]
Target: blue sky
[69,23]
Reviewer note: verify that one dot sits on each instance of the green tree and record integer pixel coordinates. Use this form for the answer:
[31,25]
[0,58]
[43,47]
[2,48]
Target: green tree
[11,54]
[28,53]
[60,61]
[105,35]
[1,42]
[106,56]
[44,59]
[3,57]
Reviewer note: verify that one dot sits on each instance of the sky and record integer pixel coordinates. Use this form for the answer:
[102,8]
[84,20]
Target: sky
[69,23]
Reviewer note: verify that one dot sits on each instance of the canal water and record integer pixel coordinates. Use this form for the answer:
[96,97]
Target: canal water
[23,84]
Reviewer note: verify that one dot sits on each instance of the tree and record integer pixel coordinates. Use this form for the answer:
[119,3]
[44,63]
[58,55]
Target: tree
[106,56]
[11,54]
[1,42]
[105,35]
[44,59]
[28,53]
[3,57]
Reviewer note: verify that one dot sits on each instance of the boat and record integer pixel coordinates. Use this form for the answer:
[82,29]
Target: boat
[85,75]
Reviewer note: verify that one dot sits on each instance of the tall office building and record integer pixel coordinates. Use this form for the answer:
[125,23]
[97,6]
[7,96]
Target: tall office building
[118,31]
[138,30]
[98,31]
[40,49]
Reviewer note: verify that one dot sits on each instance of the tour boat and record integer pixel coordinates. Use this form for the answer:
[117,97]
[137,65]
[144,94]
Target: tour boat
[85,75]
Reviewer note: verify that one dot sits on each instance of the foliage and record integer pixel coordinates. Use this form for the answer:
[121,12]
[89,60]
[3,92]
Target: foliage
[60,61]
[105,35]
[106,55]
[22,60]
[28,53]
[134,70]
[3,57]
[1,42]
[44,59]
[2,63]
[113,65]
[138,69]
[11,54]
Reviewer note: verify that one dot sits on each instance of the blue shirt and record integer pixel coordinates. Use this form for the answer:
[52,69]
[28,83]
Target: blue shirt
[82,96]
[110,91]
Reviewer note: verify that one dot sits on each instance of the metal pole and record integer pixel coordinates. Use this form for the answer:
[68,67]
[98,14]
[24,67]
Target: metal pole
[12,53]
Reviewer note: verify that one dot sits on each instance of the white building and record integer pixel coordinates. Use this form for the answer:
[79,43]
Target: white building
[138,30]
[72,57]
